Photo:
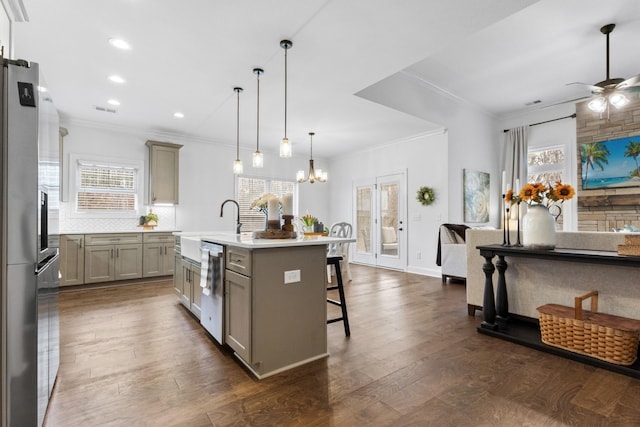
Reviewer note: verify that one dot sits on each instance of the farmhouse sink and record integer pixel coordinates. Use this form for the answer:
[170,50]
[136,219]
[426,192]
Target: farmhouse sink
[190,248]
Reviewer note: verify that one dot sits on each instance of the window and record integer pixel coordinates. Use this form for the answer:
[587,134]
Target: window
[105,187]
[546,165]
[249,189]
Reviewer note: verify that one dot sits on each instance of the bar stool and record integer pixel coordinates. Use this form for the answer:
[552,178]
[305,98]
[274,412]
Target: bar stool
[335,261]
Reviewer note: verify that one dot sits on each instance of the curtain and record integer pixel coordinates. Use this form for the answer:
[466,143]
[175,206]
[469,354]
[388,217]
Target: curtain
[515,157]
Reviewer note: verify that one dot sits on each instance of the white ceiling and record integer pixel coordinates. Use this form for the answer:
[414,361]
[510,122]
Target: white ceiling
[187,56]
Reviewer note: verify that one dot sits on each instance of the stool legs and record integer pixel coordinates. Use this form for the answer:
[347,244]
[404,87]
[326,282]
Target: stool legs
[335,261]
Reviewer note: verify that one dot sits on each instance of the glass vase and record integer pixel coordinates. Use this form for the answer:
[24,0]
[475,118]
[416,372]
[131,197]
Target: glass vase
[539,228]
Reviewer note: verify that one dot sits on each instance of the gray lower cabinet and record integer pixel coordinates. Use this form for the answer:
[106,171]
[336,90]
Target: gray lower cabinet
[106,263]
[187,285]
[238,313]
[71,259]
[109,257]
[264,315]
[158,254]
[105,257]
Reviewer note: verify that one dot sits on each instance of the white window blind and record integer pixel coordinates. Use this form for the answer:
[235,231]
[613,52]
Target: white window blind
[249,189]
[546,165]
[106,188]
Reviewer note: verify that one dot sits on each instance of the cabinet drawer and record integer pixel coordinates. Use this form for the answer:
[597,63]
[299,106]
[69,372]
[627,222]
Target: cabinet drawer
[238,260]
[158,238]
[112,239]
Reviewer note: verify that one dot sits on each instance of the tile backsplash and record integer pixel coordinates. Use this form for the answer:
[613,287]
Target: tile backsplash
[69,224]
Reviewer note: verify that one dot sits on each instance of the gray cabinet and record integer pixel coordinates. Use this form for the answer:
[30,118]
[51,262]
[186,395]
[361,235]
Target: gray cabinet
[71,259]
[158,255]
[264,315]
[238,313]
[164,163]
[178,278]
[188,286]
[111,257]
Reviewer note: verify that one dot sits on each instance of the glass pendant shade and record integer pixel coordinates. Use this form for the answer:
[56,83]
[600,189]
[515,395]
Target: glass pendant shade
[285,148]
[285,145]
[237,164]
[258,160]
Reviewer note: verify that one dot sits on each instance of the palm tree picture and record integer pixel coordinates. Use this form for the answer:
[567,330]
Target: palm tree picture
[607,164]
[593,154]
[633,150]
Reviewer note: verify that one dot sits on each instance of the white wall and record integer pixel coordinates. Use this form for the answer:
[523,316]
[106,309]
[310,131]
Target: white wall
[472,142]
[424,159]
[206,178]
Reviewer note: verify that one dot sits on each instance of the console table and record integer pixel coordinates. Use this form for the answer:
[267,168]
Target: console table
[498,322]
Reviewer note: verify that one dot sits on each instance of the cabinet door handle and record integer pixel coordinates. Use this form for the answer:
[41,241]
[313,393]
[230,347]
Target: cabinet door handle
[154,197]
[111,253]
[118,253]
[80,243]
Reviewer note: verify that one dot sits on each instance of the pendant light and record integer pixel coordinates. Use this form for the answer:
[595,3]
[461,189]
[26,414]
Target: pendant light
[258,160]
[285,144]
[314,175]
[237,165]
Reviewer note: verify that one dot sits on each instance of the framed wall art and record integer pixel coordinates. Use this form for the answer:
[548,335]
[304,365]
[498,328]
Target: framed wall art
[476,188]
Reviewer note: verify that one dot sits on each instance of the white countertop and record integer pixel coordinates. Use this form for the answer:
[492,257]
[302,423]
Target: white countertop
[141,230]
[246,240]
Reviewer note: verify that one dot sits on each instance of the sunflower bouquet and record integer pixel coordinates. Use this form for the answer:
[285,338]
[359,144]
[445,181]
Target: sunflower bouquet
[539,194]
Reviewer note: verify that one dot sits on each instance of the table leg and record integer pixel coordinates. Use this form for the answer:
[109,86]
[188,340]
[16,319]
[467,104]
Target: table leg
[488,301]
[502,303]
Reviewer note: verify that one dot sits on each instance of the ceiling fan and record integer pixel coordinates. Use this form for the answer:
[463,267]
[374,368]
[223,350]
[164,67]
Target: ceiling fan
[609,91]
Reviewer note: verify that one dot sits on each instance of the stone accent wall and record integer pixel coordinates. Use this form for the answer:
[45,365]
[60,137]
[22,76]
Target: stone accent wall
[605,209]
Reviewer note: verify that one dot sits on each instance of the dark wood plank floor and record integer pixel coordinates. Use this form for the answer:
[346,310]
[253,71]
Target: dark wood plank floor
[132,356]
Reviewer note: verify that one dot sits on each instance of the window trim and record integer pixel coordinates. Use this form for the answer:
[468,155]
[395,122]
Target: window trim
[76,159]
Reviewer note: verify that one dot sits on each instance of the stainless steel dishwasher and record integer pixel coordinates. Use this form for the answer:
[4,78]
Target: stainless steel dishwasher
[212,284]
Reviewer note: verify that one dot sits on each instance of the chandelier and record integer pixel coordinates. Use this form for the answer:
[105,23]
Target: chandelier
[319,175]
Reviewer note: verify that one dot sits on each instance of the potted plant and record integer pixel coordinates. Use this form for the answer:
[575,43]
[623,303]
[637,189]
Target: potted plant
[150,220]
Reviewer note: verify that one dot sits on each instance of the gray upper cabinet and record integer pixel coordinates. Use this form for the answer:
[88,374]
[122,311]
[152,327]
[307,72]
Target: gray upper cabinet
[164,162]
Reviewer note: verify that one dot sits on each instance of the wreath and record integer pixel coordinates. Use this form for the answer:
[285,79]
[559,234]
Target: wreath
[426,196]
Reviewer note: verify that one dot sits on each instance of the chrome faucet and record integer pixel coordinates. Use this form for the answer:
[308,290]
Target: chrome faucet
[238,216]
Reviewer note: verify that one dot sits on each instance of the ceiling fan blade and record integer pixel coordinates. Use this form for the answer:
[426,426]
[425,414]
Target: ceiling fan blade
[592,88]
[632,81]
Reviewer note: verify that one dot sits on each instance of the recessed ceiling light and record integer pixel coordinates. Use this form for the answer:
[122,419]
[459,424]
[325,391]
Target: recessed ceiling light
[42,89]
[178,114]
[116,79]
[113,102]
[120,44]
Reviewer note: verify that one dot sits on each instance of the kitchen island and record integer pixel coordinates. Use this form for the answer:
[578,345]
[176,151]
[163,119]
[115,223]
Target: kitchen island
[274,298]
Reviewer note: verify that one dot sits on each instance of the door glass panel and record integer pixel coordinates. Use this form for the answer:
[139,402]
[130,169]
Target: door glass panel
[363,200]
[389,219]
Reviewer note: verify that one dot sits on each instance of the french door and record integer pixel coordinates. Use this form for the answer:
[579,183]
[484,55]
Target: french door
[380,221]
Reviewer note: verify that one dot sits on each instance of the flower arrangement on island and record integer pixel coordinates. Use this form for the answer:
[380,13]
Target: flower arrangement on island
[262,203]
[308,220]
[539,194]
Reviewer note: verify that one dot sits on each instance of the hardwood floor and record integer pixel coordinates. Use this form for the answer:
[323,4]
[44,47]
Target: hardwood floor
[132,356]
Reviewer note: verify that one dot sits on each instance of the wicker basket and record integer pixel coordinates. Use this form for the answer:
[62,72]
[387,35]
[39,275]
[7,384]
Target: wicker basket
[610,338]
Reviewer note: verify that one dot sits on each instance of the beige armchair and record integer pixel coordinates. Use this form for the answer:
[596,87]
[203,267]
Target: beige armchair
[453,251]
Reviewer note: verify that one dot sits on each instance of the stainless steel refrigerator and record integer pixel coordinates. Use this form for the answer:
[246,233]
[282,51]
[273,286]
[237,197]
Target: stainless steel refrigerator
[29,186]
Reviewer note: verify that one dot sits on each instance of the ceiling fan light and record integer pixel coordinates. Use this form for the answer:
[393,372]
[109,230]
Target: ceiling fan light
[618,100]
[598,105]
